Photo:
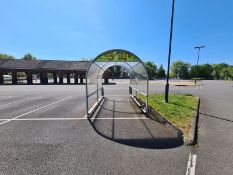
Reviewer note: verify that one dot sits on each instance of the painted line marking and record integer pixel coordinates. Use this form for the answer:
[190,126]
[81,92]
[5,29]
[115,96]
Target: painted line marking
[8,120]
[38,119]
[31,119]
[116,95]
[20,101]
[122,118]
[191,165]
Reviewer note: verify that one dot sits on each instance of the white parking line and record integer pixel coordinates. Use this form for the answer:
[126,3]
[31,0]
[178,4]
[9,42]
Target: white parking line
[19,101]
[38,119]
[191,165]
[122,118]
[8,120]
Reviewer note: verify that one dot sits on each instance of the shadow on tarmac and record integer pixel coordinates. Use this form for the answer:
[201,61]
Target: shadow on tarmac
[141,132]
[212,116]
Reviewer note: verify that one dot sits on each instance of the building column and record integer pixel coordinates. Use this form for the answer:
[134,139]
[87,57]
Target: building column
[60,78]
[1,78]
[68,78]
[29,78]
[81,78]
[46,78]
[106,76]
[106,81]
[14,78]
[55,78]
[43,78]
[76,78]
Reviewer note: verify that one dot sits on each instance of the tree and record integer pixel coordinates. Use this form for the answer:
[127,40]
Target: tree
[231,72]
[226,73]
[195,71]
[207,71]
[28,56]
[161,72]
[116,71]
[204,71]
[6,56]
[217,68]
[21,75]
[180,69]
[151,69]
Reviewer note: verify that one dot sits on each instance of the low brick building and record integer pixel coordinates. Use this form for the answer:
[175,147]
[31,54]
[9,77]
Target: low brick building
[58,70]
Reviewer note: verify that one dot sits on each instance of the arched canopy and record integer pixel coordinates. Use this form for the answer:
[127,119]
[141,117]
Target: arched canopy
[123,58]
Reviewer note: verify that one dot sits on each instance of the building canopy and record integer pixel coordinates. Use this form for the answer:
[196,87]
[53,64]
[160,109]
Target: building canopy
[38,65]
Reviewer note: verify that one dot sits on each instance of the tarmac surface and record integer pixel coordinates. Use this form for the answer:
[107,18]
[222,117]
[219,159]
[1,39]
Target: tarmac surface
[43,131]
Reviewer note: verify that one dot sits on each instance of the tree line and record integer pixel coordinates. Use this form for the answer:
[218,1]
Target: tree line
[179,70]
[183,70]
[153,72]
[27,56]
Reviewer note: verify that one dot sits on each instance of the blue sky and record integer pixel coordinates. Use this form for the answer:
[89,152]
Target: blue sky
[75,29]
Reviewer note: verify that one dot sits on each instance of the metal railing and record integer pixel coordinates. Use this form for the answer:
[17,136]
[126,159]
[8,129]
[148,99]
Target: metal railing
[131,89]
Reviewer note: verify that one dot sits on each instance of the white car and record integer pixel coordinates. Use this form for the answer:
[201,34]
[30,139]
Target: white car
[7,77]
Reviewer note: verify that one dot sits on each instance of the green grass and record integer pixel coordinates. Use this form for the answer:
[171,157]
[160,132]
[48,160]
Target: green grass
[179,111]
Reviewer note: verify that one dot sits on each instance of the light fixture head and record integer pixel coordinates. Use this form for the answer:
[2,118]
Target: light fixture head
[199,47]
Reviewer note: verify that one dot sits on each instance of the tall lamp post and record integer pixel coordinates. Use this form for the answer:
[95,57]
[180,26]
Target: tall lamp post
[169,53]
[198,56]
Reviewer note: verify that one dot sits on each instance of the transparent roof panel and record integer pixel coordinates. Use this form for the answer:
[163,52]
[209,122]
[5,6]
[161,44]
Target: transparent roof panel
[116,57]
[125,59]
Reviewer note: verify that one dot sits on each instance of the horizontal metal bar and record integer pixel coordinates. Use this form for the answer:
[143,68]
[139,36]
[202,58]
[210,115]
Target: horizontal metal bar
[135,101]
[139,91]
[139,105]
[93,108]
[94,92]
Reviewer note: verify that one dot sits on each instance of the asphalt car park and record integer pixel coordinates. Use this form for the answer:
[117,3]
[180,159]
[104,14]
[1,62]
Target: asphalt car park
[43,130]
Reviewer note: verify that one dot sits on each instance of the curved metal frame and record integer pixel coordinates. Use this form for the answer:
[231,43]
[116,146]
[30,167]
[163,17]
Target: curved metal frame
[128,68]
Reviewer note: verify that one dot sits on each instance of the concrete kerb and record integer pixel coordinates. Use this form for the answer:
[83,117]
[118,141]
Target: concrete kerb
[193,132]
[154,115]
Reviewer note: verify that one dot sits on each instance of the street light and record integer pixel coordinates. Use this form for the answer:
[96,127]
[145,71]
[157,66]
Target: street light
[199,48]
[169,53]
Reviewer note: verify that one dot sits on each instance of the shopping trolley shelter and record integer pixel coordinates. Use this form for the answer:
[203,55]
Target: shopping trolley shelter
[114,115]
[127,60]
[90,129]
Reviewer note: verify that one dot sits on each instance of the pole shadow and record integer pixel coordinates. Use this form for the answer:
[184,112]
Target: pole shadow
[204,114]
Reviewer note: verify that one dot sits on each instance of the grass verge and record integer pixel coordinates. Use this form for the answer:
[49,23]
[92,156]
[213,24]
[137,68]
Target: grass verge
[179,111]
